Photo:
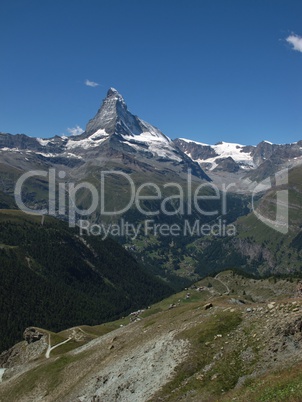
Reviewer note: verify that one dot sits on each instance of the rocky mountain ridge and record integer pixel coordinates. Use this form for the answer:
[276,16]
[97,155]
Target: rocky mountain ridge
[251,162]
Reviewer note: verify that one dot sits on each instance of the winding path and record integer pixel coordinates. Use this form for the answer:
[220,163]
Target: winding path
[225,285]
[50,348]
[1,373]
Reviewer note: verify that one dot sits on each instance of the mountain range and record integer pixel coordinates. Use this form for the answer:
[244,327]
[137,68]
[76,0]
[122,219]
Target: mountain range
[232,157]
[115,138]
[245,165]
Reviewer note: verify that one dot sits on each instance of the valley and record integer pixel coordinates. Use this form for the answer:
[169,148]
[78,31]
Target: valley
[140,268]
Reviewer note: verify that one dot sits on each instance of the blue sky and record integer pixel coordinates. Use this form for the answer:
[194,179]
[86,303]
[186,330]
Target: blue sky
[209,70]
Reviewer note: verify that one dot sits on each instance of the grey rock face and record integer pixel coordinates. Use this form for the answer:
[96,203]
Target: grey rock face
[20,141]
[196,151]
[114,117]
[32,335]
[227,165]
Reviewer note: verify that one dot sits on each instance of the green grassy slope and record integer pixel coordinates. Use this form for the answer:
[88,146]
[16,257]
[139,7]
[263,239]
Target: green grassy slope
[241,348]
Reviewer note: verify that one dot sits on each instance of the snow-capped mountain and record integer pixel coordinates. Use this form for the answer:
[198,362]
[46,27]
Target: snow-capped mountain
[245,159]
[114,136]
[116,139]
[211,156]
[113,120]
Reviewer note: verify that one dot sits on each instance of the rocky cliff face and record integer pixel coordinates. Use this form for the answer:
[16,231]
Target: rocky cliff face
[34,344]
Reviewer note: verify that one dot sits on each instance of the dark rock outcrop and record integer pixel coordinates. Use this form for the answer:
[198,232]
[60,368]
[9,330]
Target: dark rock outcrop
[31,335]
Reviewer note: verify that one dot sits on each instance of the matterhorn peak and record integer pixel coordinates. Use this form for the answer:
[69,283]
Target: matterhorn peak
[114,118]
[111,111]
[113,93]
[112,90]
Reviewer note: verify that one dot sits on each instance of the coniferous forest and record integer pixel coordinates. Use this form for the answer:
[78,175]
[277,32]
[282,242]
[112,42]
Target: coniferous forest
[52,278]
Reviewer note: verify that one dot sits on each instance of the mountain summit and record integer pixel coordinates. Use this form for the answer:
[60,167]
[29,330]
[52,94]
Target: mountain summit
[112,111]
[114,117]
[115,133]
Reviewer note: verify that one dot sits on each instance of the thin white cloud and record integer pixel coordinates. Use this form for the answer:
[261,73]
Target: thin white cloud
[77,130]
[295,41]
[92,84]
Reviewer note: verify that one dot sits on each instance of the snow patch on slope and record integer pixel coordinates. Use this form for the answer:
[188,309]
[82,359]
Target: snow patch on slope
[64,155]
[156,143]
[235,151]
[92,141]
[43,141]
[195,142]
[225,150]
